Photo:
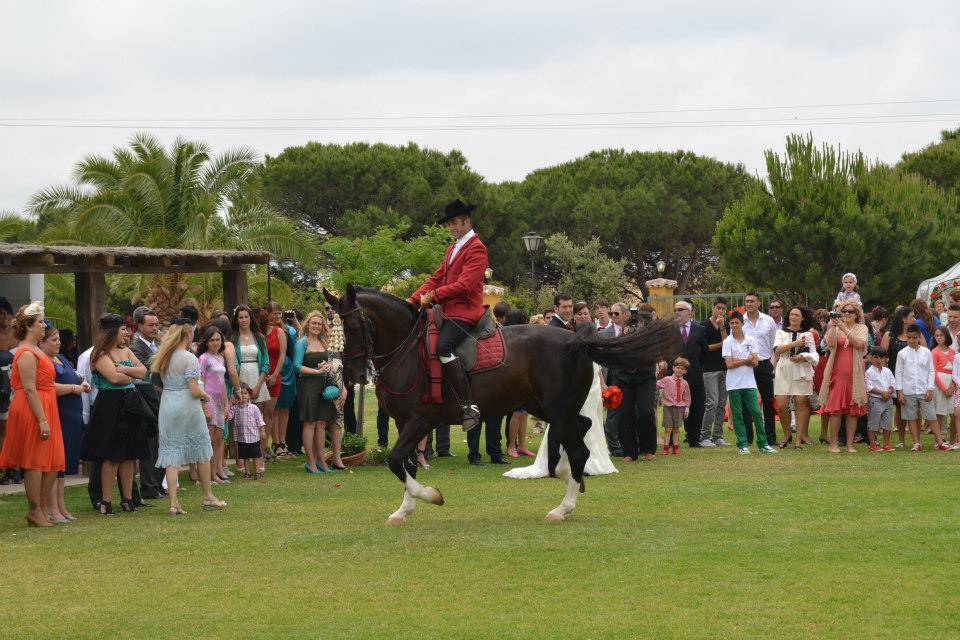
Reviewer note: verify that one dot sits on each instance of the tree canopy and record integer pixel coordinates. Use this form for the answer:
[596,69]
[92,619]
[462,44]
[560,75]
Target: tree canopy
[938,162]
[824,212]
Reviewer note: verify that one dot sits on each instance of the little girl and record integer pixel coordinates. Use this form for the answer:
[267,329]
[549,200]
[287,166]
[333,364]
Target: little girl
[212,373]
[943,391]
[848,290]
[676,404]
[248,429]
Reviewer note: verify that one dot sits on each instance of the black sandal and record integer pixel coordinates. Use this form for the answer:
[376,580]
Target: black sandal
[106,508]
[128,506]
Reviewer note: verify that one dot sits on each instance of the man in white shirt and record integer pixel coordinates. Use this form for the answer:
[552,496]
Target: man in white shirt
[914,384]
[763,330]
[83,368]
[740,355]
[603,314]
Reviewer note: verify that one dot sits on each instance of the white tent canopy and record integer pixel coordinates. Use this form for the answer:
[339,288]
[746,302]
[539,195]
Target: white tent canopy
[948,278]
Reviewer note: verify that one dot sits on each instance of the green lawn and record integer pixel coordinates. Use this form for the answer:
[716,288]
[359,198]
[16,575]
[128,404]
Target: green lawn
[706,544]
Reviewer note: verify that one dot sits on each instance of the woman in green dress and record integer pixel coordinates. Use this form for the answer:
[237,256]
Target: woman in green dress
[317,369]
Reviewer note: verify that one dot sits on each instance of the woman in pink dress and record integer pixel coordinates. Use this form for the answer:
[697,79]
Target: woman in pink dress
[943,354]
[843,393]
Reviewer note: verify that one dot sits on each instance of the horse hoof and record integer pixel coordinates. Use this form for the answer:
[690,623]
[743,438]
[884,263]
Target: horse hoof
[395,521]
[555,517]
[436,497]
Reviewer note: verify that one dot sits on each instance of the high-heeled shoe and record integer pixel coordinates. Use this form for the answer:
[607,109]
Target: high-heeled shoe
[128,506]
[106,508]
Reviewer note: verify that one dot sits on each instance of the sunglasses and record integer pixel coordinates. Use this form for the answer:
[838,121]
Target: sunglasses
[615,313]
[851,311]
[775,306]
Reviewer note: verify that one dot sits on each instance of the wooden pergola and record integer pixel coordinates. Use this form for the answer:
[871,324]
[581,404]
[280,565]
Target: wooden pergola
[91,264]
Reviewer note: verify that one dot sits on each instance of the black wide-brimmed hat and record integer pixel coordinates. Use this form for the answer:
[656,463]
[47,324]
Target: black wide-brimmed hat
[454,209]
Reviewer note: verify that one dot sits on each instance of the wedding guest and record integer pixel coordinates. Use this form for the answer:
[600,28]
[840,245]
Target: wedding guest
[880,385]
[795,356]
[940,311]
[231,381]
[714,375]
[581,316]
[276,339]
[843,393]
[318,370]
[248,426]
[943,355]
[821,320]
[895,340]
[694,340]
[763,330]
[740,354]
[676,404]
[144,345]
[252,360]
[184,438]
[602,309]
[849,291]
[288,386]
[68,346]
[879,319]
[115,437]
[69,385]
[8,341]
[916,381]
[213,370]
[517,426]
[924,320]
[33,441]
[636,418]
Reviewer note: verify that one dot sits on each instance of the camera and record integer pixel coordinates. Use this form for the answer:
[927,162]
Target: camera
[634,316]
[835,314]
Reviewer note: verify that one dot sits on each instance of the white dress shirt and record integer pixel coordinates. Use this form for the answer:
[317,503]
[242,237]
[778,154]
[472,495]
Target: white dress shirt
[763,332]
[881,379]
[459,244]
[83,368]
[915,374]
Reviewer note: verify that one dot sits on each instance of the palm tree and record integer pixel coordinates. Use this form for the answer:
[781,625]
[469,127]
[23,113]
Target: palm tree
[182,197]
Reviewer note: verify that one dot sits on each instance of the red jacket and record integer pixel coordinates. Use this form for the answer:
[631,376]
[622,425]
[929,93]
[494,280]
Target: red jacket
[458,287]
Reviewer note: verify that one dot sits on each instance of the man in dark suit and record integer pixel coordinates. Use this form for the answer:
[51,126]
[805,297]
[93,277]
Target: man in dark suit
[694,340]
[492,425]
[144,345]
[619,318]
[563,319]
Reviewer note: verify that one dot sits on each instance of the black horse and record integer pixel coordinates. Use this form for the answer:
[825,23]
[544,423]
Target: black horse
[547,371]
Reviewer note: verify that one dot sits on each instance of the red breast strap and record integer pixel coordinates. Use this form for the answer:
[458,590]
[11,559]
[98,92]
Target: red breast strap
[434,391]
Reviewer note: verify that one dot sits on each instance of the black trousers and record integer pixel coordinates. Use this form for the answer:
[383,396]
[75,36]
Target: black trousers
[349,411]
[612,432]
[294,429]
[151,477]
[763,374]
[492,427]
[383,428]
[442,432]
[693,423]
[637,419]
[452,333]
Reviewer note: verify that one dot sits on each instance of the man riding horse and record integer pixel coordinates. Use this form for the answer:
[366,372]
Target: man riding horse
[457,286]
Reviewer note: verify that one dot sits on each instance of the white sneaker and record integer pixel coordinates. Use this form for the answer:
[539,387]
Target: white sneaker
[720,442]
[706,442]
[744,451]
[768,449]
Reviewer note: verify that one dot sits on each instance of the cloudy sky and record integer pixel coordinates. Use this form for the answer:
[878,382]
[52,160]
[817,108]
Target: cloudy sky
[543,82]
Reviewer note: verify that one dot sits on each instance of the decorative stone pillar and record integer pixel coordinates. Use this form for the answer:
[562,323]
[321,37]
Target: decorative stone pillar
[661,292]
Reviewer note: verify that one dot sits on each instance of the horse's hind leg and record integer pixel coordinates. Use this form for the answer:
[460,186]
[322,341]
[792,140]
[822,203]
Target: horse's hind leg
[404,467]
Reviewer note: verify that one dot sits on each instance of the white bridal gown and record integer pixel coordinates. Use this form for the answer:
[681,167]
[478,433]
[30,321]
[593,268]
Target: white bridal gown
[599,462]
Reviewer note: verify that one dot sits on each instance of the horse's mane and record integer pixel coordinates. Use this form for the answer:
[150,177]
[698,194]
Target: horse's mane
[396,304]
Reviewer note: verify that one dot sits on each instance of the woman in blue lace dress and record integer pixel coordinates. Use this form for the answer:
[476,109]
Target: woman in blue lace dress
[184,438]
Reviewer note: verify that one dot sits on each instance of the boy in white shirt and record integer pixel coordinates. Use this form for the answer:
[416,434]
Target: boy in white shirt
[740,354]
[880,389]
[914,383]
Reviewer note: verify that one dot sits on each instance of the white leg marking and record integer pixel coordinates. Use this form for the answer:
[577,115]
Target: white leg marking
[407,506]
[420,492]
[573,488]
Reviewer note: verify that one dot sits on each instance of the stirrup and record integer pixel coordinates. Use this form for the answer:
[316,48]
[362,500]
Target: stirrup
[471,416]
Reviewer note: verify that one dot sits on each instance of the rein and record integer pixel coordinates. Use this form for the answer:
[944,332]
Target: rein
[366,352]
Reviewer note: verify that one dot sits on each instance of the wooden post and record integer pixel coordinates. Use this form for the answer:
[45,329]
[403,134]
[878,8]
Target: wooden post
[235,289]
[91,302]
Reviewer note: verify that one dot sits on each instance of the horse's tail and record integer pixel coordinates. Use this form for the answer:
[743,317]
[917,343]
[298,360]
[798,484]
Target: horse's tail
[658,340]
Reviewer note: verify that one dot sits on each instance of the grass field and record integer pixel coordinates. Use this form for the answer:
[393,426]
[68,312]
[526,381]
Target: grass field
[706,544]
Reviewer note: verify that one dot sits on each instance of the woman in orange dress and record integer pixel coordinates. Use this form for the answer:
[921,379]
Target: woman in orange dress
[34,441]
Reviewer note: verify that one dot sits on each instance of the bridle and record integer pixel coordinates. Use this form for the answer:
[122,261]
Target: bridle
[366,351]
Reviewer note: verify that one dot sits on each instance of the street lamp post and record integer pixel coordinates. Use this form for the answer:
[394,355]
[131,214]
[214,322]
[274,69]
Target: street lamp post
[532,242]
[661,267]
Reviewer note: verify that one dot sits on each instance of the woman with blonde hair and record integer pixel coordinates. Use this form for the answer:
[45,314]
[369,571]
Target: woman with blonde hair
[33,442]
[318,369]
[184,437]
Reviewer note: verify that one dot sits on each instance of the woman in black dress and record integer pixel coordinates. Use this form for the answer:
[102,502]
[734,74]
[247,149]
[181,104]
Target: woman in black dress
[317,370]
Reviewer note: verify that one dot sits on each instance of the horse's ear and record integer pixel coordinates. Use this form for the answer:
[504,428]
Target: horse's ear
[331,299]
[351,295]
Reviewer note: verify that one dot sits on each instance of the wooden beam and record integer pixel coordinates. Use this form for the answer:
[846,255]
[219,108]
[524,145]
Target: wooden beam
[91,302]
[234,289]
[82,268]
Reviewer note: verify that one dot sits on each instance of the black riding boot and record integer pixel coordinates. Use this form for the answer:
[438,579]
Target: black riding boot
[459,383]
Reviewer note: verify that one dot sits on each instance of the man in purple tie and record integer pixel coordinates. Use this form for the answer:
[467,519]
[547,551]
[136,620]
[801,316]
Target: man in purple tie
[694,345]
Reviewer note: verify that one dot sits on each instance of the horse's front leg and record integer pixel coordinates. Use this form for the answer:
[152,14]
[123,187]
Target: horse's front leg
[404,467]
[569,502]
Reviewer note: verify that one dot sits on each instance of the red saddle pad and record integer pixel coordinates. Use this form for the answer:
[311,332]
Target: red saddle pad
[490,352]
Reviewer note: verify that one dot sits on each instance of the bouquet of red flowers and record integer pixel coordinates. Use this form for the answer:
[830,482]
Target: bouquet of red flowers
[612,397]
